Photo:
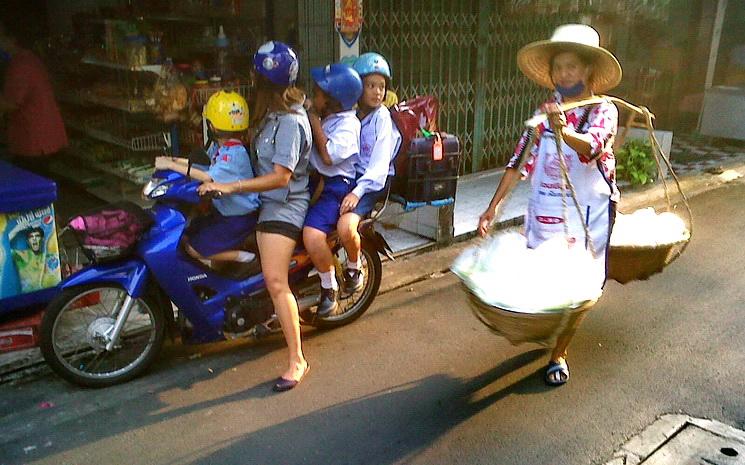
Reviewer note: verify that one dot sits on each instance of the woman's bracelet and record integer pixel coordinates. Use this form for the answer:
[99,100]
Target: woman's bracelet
[240,185]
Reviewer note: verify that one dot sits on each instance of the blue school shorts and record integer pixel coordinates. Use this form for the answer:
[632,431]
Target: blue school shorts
[214,233]
[368,201]
[324,214]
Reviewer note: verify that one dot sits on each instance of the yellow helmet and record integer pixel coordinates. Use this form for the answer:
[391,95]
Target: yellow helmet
[227,111]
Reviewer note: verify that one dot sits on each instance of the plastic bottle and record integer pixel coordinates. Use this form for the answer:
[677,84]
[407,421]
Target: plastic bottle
[222,53]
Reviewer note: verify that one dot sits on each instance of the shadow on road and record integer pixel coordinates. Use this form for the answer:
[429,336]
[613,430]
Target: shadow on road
[380,428]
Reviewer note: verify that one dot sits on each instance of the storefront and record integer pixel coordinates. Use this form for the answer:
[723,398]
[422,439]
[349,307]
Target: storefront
[132,76]
[723,108]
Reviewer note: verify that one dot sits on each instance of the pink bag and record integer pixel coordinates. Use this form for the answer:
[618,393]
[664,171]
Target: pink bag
[111,231]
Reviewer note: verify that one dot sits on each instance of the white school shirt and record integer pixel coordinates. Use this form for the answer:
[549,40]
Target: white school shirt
[379,143]
[343,132]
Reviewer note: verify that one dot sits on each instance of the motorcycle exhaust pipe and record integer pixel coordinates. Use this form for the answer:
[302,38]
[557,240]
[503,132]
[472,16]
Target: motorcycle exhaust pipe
[308,302]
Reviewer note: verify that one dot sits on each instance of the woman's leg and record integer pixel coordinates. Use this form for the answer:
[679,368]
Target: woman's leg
[559,353]
[276,251]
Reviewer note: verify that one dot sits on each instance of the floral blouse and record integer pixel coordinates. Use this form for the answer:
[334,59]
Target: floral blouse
[601,123]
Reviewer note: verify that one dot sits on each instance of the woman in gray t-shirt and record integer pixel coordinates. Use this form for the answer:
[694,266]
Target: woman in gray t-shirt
[281,146]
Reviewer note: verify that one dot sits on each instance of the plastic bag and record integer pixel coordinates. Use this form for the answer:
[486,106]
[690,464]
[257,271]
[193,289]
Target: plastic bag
[504,273]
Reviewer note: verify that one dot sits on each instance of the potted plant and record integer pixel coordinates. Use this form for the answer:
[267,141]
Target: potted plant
[635,163]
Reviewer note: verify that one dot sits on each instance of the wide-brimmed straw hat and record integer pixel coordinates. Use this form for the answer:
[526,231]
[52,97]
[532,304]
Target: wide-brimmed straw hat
[534,59]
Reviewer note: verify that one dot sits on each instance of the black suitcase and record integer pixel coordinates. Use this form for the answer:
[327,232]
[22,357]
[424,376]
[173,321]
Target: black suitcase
[422,178]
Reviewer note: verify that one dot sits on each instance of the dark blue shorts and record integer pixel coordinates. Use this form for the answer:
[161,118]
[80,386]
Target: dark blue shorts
[368,201]
[215,233]
[324,214]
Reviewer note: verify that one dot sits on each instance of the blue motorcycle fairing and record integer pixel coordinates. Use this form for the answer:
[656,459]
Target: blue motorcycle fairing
[181,188]
[182,278]
[131,274]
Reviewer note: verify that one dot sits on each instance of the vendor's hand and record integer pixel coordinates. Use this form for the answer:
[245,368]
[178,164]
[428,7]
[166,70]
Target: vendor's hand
[163,163]
[349,202]
[485,221]
[208,187]
[556,117]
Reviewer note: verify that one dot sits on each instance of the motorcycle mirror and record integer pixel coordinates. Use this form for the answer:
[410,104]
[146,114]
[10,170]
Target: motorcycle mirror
[199,156]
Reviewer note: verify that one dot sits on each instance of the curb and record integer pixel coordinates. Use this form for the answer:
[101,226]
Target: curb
[655,436]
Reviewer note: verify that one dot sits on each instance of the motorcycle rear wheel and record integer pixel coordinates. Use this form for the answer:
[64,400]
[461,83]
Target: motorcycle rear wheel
[72,332]
[352,306]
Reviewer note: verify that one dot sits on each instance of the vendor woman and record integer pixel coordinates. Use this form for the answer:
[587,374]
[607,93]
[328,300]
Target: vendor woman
[575,67]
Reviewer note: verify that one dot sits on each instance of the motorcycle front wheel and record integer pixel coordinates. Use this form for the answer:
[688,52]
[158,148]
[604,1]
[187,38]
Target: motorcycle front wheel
[352,306]
[74,330]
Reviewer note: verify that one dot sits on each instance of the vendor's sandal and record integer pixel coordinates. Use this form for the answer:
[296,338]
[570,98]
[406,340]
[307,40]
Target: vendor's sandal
[557,373]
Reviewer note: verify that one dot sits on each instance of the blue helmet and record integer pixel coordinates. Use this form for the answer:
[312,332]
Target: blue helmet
[339,81]
[277,62]
[373,63]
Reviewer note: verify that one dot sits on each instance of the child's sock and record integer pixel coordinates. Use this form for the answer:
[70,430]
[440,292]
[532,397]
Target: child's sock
[245,257]
[355,265]
[328,280]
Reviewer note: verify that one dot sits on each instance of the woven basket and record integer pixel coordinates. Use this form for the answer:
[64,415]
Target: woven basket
[631,263]
[518,327]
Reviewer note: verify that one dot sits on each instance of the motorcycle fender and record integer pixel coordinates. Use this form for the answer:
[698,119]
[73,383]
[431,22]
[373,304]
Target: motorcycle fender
[377,239]
[132,275]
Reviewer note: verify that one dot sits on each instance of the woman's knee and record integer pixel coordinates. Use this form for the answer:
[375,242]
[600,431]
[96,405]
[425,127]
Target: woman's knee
[276,284]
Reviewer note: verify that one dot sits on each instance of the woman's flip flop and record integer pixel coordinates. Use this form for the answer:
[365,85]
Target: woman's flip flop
[557,373]
[283,384]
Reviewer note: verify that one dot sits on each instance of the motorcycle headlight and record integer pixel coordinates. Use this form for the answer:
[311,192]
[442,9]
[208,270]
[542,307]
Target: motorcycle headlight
[154,189]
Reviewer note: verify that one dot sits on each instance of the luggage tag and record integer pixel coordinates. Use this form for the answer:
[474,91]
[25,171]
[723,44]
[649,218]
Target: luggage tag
[437,148]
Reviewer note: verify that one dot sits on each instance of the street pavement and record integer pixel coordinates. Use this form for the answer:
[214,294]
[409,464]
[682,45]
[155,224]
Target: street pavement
[419,380]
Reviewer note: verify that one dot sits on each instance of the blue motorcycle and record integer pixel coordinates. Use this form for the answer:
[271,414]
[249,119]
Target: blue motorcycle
[109,322]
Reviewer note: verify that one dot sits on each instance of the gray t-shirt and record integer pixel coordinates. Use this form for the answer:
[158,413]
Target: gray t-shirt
[285,139]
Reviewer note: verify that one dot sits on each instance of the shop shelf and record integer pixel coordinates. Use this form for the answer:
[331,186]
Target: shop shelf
[199,96]
[112,169]
[146,143]
[120,66]
[117,103]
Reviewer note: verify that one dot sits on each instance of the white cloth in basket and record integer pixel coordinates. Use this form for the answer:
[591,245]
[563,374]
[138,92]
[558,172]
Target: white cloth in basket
[645,227]
[503,272]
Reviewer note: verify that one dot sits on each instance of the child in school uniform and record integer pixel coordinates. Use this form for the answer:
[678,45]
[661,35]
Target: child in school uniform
[218,235]
[379,143]
[336,133]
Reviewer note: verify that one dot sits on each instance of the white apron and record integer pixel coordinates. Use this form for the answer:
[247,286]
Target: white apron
[544,219]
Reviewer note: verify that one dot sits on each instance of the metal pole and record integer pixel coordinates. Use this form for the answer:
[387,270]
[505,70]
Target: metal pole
[716,36]
[485,10]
